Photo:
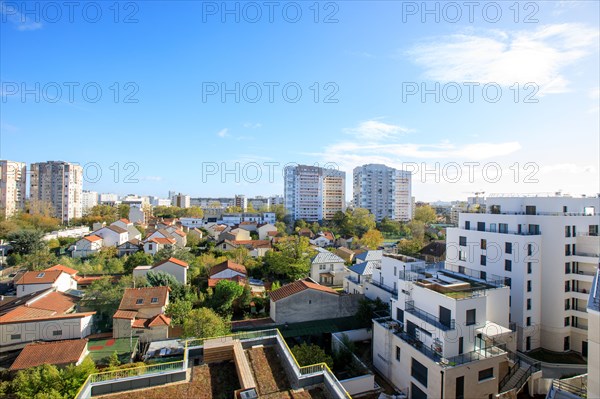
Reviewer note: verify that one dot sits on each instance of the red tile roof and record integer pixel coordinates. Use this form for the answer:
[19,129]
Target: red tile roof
[60,353]
[212,282]
[132,296]
[159,320]
[92,238]
[39,277]
[125,314]
[56,302]
[299,286]
[62,268]
[227,265]
[172,260]
[254,243]
[163,241]
[45,306]
[126,221]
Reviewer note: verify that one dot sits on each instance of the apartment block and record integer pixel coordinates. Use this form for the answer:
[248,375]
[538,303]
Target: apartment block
[384,191]
[59,184]
[546,248]
[313,193]
[89,199]
[181,201]
[13,184]
[448,336]
[593,308]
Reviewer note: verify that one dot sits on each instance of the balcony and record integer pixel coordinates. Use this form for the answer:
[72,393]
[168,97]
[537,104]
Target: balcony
[387,288]
[409,307]
[516,233]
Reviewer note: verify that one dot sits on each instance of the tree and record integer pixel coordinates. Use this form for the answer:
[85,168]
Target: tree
[27,241]
[113,360]
[139,258]
[161,279]
[367,308]
[280,212]
[226,292]
[291,259]
[179,311]
[361,221]
[372,239]
[204,323]
[417,230]
[104,296]
[410,247]
[193,212]
[308,355]
[425,214]
[30,383]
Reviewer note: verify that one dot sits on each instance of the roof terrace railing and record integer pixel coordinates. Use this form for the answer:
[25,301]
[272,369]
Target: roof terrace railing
[409,307]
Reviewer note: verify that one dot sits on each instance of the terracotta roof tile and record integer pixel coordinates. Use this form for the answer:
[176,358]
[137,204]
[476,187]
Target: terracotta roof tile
[299,286]
[39,277]
[59,353]
[212,282]
[163,241]
[56,302]
[92,238]
[62,268]
[125,314]
[173,260]
[138,298]
[159,320]
[227,265]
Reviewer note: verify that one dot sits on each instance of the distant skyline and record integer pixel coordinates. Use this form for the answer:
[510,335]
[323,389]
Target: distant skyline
[183,91]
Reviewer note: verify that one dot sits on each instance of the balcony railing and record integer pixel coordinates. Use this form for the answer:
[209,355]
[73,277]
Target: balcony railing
[391,290]
[512,232]
[409,307]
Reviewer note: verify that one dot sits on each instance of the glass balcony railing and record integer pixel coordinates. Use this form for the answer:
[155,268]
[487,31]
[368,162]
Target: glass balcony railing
[409,307]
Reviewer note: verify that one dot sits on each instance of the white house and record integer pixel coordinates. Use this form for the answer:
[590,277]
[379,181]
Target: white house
[171,233]
[132,231]
[175,267]
[383,283]
[42,316]
[238,234]
[113,236]
[35,281]
[324,239]
[190,222]
[264,230]
[327,268]
[87,246]
[153,245]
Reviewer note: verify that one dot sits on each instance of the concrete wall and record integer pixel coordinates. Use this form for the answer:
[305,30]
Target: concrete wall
[358,385]
[74,328]
[311,304]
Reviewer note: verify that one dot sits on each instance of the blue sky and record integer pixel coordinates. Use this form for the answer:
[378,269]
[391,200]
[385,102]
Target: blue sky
[369,62]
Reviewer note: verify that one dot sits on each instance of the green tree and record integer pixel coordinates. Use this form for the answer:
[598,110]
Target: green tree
[139,258]
[361,221]
[193,212]
[179,311]
[74,376]
[425,214]
[307,355]
[280,212]
[113,360]
[204,323]
[35,382]
[161,279]
[410,247]
[27,241]
[226,292]
[417,230]
[291,259]
[104,296]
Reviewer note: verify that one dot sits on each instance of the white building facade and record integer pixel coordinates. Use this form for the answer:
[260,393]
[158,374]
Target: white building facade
[13,184]
[59,184]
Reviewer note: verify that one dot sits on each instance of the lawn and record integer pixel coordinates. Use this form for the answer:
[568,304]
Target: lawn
[102,349]
[547,356]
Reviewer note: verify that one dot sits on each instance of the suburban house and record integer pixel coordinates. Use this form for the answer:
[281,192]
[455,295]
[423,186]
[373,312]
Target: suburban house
[238,234]
[153,245]
[196,232]
[227,270]
[305,300]
[173,234]
[42,316]
[57,353]
[306,232]
[264,230]
[71,272]
[214,230]
[35,281]
[141,314]
[87,246]
[345,241]
[132,231]
[324,239]
[130,247]
[113,236]
[175,267]
[256,248]
[345,253]
[327,268]
[434,252]
[360,274]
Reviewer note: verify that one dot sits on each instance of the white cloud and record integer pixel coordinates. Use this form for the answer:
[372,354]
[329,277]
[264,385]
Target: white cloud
[12,14]
[373,131]
[539,56]
[152,178]
[251,125]
[223,133]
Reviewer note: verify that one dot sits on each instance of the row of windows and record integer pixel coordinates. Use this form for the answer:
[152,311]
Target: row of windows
[55,333]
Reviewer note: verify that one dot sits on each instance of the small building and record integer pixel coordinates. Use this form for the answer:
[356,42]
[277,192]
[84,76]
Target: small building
[327,268]
[346,254]
[153,245]
[35,281]
[256,248]
[227,270]
[173,266]
[141,314]
[58,353]
[264,231]
[359,274]
[113,236]
[434,252]
[305,300]
[130,247]
[87,246]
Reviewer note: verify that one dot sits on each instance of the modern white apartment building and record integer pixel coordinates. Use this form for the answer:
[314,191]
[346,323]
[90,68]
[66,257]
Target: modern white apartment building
[13,184]
[181,200]
[384,191]
[547,250]
[60,184]
[241,202]
[89,199]
[448,336]
[313,193]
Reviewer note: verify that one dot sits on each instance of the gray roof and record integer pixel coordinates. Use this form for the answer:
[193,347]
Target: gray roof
[325,256]
[364,269]
[116,229]
[370,255]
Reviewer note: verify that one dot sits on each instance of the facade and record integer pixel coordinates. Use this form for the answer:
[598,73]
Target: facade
[36,281]
[386,192]
[42,316]
[547,250]
[141,314]
[313,193]
[112,236]
[593,355]
[240,201]
[13,186]
[175,267]
[327,268]
[87,246]
[59,184]
[89,199]
[447,336]
[181,201]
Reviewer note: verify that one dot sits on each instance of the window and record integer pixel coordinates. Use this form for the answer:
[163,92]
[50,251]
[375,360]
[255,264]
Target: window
[502,228]
[508,265]
[15,336]
[419,372]
[567,250]
[400,315]
[483,243]
[480,226]
[40,275]
[567,321]
[566,343]
[462,241]
[567,231]
[508,281]
[154,300]
[528,343]
[398,353]
[528,303]
[467,225]
[482,275]
[508,247]
[139,301]
[593,230]
[417,393]
[567,267]
[493,227]
[529,267]
[460,388]
[567,286]
[567,304]
[528,321]
[462,255]
[482,260]
[486,374]
[471,317]
[528,285]
[574,230]
[57,333]
[530,210]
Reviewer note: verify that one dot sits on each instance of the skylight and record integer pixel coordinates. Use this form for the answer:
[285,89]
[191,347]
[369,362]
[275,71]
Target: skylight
[139,301]
[40,275]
